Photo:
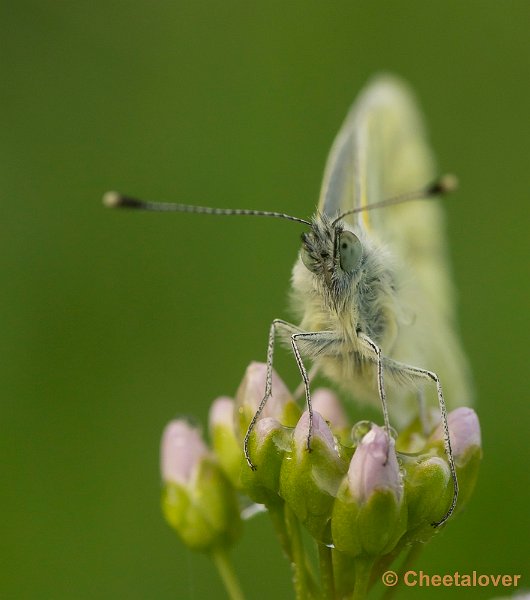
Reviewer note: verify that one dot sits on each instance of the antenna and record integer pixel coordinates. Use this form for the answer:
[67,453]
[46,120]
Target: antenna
[443,185]
[116,200]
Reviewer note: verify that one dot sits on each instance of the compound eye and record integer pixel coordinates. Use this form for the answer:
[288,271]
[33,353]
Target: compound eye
[308,262]
[350,251]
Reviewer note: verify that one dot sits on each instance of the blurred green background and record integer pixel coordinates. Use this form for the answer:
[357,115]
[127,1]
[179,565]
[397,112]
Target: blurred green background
[113,323]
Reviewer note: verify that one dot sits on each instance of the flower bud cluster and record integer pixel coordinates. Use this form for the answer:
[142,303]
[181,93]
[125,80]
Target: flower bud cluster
[359,491]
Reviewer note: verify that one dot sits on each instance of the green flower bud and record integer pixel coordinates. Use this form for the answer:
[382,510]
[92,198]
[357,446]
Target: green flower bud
[309,480]
[428,482]
[268,444]
[369,514]
[197,499]
[429,490]
[226,444]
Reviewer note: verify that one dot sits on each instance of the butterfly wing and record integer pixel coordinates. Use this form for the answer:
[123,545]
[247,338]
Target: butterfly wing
[380,152]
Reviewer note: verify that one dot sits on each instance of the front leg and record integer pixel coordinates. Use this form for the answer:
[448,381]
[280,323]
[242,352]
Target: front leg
[374,349]
[313,343]
[313,371]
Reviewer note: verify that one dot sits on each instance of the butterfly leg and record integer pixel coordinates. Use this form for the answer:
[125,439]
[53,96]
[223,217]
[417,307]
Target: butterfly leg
[305,379]
[380,382]
[416,373]
[423,413]
[275,325]
[313,343]
[301,388]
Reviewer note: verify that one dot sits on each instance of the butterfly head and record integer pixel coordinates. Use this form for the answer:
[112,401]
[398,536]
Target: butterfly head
[332,254]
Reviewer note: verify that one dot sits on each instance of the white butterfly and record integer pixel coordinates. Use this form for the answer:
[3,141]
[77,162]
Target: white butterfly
[371,288]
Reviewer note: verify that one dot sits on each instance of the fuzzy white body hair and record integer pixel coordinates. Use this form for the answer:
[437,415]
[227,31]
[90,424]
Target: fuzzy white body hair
[406,314]
[370,306]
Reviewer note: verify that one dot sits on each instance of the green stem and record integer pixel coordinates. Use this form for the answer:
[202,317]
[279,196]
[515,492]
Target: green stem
[411,557]
[228,575]
[326,572]
[277,516]
[343,573]
[363,570]
[409,560]
[297,555]
[281,526]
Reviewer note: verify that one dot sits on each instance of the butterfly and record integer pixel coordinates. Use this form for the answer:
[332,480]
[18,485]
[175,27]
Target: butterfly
[371,286]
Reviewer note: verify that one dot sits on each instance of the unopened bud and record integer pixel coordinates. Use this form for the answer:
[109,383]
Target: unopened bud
[464,430]
[251,392]
[369,514]
[326,403]
[429,491]
[374,466]
[268,444]
[181,451]
[226,445]
[310,479]
[197,500]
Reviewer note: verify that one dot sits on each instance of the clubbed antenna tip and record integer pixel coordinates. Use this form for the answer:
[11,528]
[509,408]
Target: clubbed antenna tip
[116,200]
[447,184]
[111,199]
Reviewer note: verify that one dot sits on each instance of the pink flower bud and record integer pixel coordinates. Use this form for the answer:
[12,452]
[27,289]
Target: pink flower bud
[222,413]
[252,390]
[264,427]
[329,406]
[321,431]
[181,450]
[374,466]
[464,430]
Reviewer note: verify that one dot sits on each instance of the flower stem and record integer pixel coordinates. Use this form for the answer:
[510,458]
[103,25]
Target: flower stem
[409,560]
[284,532]
[326,572]
[363,569]
[226,571]
[277,516]
[297,555]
